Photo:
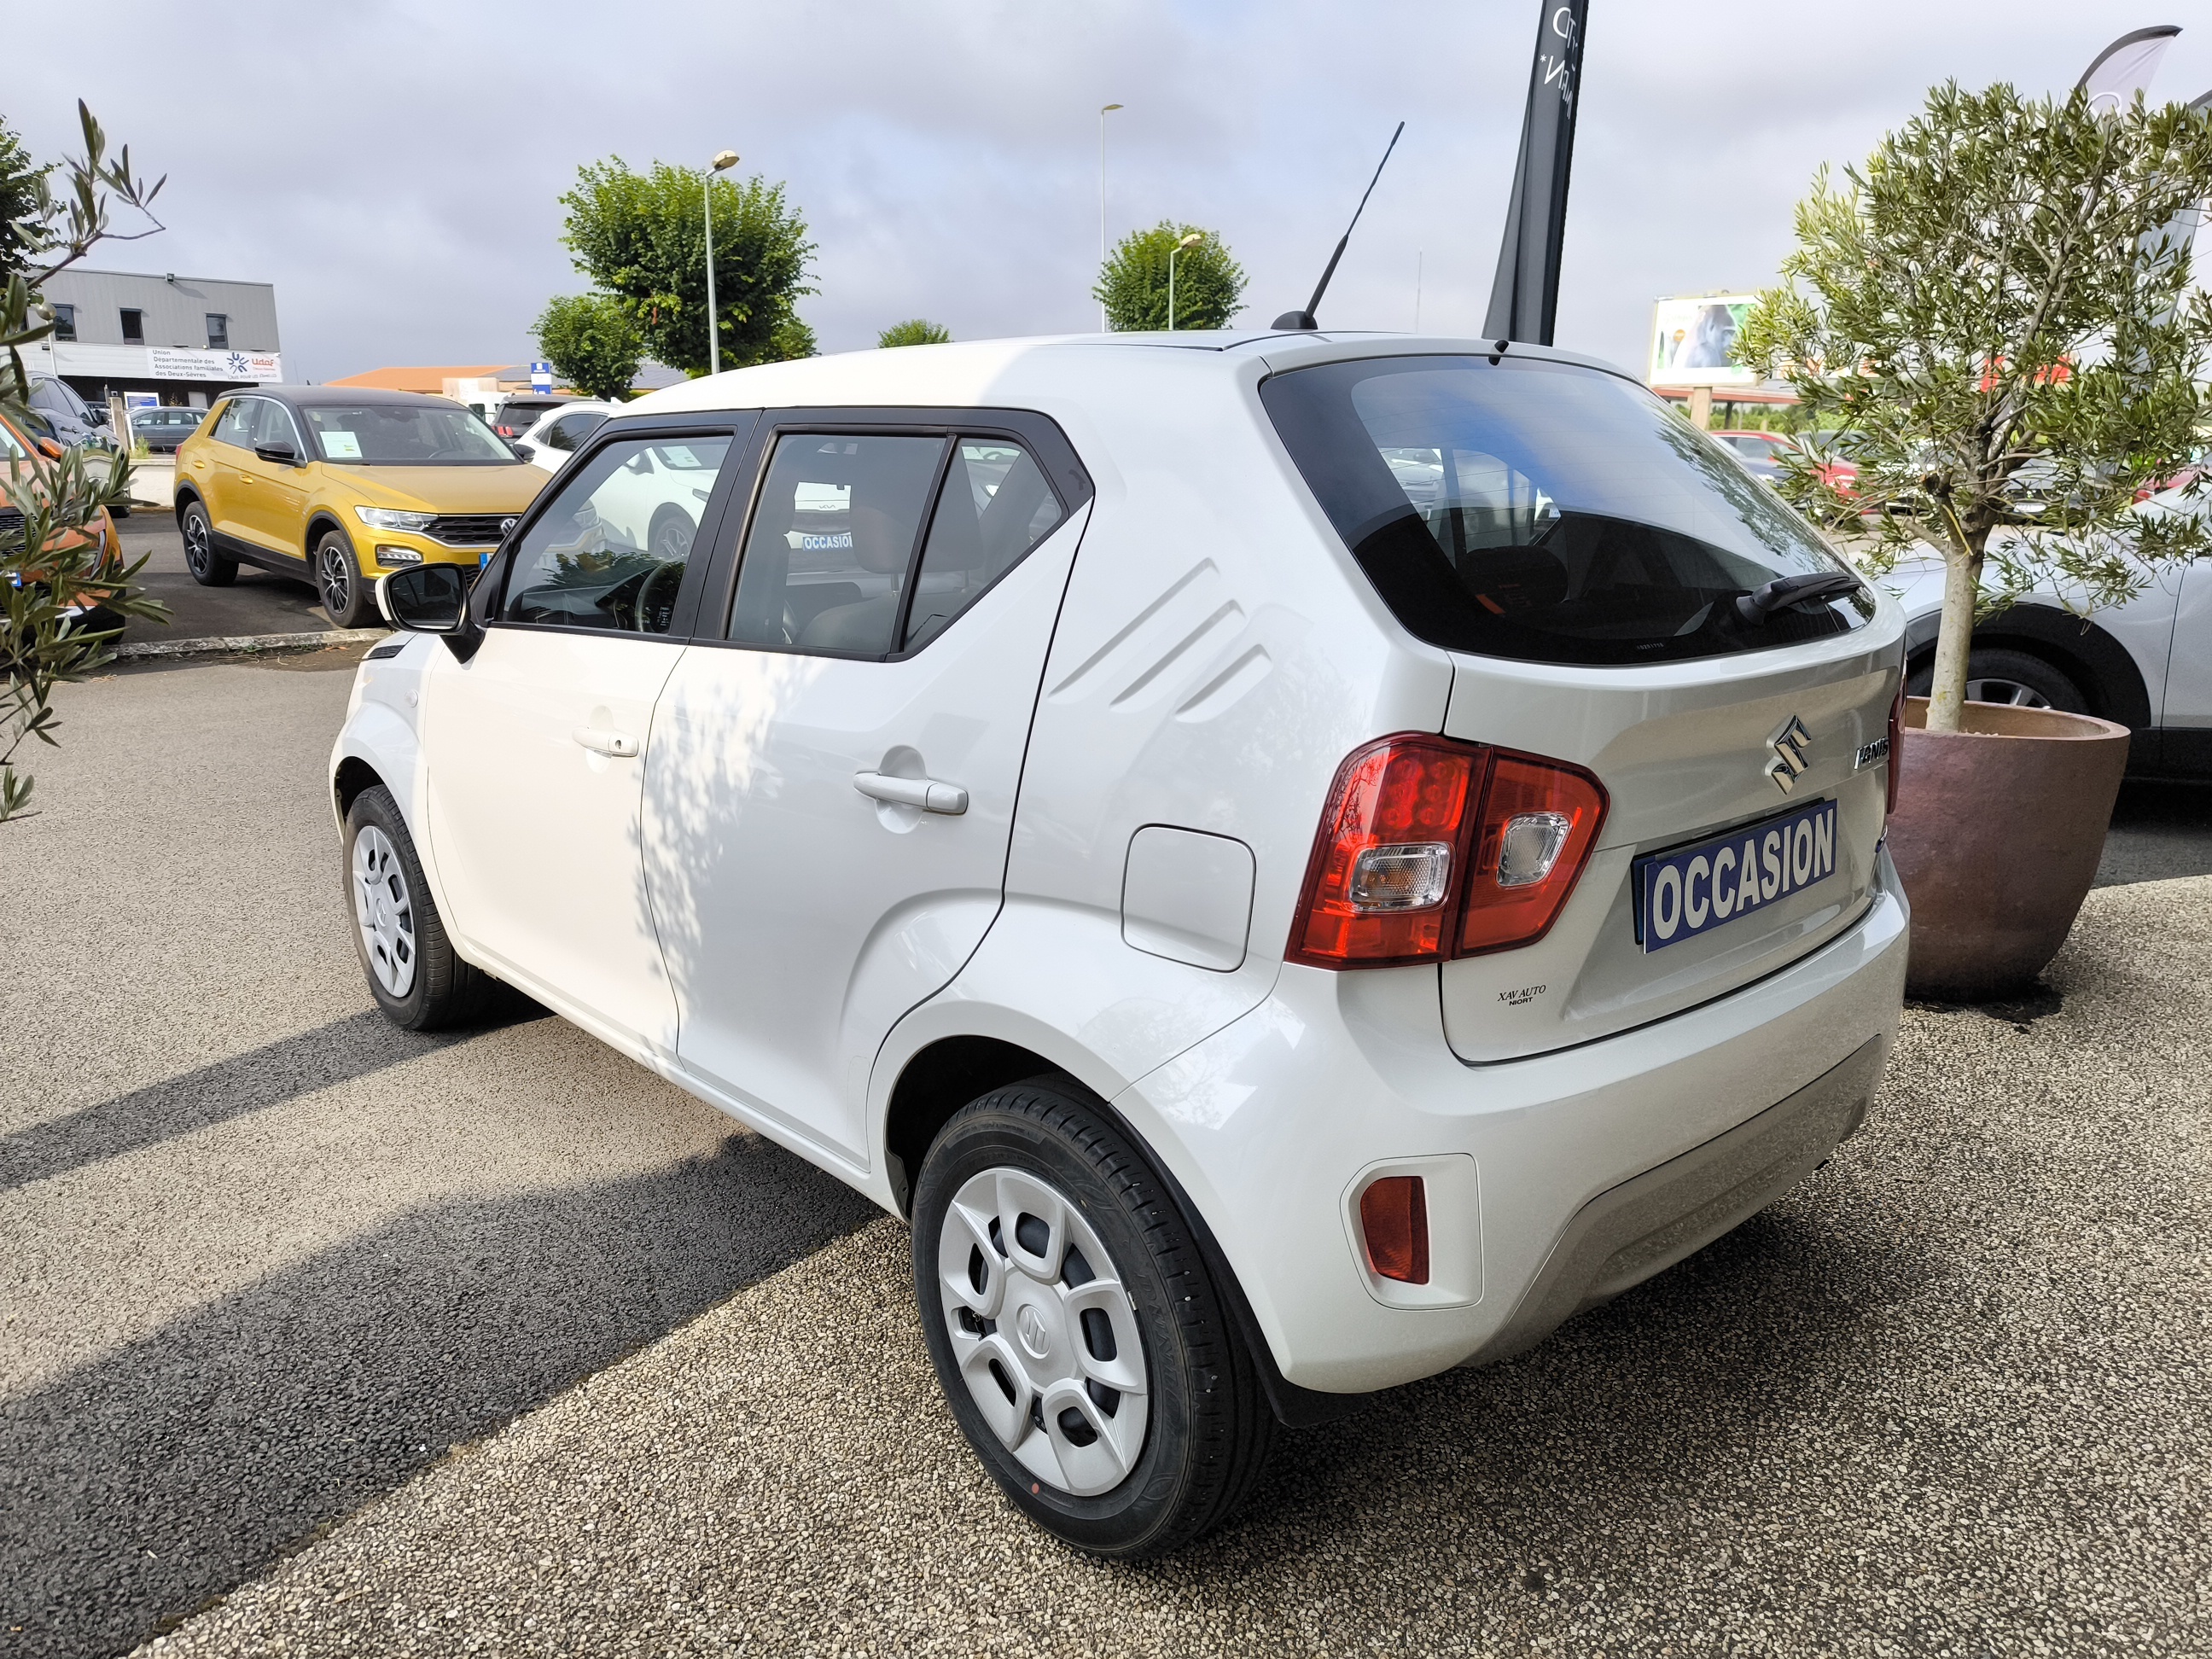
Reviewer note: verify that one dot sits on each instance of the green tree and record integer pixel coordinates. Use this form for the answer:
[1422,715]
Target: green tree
[53,563]
[592,341]
[916,331]
[1991,295]
[641,238]
[1133,284]
[21,226]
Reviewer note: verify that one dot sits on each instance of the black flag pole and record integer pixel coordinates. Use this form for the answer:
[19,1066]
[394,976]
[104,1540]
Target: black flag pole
[1524,300]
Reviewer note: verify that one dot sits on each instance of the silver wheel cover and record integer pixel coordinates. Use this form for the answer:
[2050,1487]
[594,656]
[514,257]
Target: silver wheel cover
[384,910]
[1057,1369]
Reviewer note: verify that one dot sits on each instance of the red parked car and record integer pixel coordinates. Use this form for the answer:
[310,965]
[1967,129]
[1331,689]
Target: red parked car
[1762,453]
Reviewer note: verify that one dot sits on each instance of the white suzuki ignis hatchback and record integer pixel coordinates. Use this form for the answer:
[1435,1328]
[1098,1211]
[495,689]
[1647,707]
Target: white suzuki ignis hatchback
[1295,860]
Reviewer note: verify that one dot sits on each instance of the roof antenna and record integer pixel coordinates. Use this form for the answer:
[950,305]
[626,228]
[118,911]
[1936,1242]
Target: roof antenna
[1304,319]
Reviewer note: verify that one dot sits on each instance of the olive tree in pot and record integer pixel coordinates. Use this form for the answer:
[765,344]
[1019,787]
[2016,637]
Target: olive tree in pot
[2000,294]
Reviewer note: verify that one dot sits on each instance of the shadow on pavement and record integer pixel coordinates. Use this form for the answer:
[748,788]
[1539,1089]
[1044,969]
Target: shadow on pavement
[137,1488]
[344,1049]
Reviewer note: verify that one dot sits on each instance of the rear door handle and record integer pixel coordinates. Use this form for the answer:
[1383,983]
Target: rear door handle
[928,794]
[601,741]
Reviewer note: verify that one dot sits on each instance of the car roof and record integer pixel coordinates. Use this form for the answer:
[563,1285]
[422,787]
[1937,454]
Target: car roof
[349,397]
[985,374]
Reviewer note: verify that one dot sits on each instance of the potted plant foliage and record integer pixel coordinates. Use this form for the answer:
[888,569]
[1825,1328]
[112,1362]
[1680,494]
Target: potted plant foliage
[2001,294]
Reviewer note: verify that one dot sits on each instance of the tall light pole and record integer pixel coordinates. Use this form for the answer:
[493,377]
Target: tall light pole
[724,161]
[1104,110]
[1174,254]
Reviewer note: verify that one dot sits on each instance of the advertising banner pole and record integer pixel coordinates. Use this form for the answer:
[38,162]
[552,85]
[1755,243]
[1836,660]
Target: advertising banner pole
[1524,299]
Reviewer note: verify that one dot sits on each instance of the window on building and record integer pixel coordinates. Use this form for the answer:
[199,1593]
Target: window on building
[218,331]
[64,322]
[134,327]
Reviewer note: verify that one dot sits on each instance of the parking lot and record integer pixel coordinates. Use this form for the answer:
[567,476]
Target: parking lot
[320,1336]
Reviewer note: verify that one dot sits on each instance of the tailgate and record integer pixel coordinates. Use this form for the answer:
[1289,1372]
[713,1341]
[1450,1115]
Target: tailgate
[1687,753]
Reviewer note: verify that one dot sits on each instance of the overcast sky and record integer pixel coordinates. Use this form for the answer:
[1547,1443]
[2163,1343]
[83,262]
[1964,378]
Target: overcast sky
[395,169]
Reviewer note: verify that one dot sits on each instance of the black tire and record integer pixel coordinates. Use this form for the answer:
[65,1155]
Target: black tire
[1209,1425]
[348,598]
[668,540]
[1994,674]
[207,567]
[442,990]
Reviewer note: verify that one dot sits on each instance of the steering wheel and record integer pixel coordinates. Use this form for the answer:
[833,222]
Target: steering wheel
[652,609]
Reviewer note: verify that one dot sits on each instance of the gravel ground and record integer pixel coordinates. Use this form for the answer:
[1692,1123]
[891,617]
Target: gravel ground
[1948,1398]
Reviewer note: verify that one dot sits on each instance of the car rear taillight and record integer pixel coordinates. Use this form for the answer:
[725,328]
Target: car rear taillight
[1896,750]
[1430,848]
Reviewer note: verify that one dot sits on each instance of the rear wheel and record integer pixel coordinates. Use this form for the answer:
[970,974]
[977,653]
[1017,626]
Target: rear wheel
[207,567]
[412,971]
[348,598]
[1086,1350]
[1997,675]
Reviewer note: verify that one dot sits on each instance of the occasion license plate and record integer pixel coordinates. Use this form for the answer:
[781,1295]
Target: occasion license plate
[1693,889]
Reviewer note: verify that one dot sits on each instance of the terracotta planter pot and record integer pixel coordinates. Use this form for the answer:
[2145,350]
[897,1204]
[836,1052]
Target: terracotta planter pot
[1998,833]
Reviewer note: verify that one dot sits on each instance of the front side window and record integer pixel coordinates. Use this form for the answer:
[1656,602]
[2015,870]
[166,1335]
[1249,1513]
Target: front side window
[1546,513]
[218,331]
[406,434]
[64,322]
[236,424]
[836,560]
[274,426]
[610,551]
[570,430]
[134,327]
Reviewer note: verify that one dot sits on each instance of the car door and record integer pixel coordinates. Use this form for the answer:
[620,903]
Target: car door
[2186,739]
[830,795]
[216,468]
[535,749]
[272,509]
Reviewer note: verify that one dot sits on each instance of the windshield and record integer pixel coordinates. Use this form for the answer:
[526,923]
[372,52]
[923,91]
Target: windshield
[404,434]
[1546,513]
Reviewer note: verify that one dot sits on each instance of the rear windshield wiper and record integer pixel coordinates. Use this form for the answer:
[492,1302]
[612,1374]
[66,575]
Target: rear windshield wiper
[1754,606]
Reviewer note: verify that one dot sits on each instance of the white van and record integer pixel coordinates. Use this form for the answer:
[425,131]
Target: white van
[1298,861]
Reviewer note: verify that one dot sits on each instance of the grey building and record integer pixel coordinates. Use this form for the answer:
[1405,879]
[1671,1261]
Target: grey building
[185,338]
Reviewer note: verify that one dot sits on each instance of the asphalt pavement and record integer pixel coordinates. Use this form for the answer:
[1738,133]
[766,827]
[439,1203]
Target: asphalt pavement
[257,603]
[349,1342]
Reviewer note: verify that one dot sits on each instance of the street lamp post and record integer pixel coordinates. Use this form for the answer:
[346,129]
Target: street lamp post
[1104,110]
[724,161]
[1174,254]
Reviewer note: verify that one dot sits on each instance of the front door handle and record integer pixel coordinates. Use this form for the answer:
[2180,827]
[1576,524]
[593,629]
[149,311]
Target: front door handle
[928,794]
[601,741]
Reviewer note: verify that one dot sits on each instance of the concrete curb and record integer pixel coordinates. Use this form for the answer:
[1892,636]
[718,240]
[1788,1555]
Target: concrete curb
[231,644]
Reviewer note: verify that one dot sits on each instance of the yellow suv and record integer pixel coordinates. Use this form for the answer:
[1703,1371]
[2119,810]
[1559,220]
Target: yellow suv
[337,485]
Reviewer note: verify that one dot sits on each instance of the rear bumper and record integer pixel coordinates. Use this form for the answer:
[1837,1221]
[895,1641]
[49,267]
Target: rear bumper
[1592,1167]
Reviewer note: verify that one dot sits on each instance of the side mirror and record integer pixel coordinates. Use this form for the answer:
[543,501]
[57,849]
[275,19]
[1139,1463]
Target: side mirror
[424,598]
[523,452]
[279,454]
[50,450]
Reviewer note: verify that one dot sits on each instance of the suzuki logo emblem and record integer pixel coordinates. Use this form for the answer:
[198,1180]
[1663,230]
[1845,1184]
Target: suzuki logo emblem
[1789,745]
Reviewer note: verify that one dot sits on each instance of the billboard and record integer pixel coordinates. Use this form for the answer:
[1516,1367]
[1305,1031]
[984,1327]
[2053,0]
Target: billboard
[1691,338]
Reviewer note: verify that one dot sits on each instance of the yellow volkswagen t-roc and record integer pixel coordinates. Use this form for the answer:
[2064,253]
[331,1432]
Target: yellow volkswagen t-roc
[338,485]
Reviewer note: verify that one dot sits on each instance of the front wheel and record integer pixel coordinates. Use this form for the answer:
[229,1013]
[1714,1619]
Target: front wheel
[413,973]
[348,598]
[206,567]
[1083,1346]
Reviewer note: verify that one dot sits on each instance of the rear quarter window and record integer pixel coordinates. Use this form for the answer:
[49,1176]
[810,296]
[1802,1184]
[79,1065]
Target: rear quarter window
[1546,513]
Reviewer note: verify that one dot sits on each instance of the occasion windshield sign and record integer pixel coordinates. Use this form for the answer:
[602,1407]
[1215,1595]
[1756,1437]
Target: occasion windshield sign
[1693,889]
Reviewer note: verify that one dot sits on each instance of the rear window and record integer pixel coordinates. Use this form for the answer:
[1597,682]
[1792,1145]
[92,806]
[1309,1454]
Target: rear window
[1546,513]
